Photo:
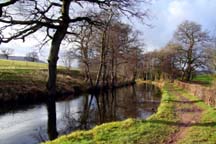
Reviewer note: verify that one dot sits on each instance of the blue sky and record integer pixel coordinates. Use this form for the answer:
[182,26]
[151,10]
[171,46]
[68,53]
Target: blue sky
[166,15]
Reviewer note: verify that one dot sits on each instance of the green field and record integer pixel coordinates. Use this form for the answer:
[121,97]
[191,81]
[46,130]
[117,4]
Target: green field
[29,78]
[205,79]
[11,70]
[12,64]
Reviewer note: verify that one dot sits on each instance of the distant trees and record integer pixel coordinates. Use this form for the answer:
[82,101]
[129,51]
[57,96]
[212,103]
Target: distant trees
[186,53]
[108,54]
[32,56]
[67,58]
[211,52]
[193,41]
[160,64]
[7,52]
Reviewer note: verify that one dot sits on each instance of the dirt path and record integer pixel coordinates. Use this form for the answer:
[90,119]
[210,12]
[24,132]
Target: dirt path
[189,115]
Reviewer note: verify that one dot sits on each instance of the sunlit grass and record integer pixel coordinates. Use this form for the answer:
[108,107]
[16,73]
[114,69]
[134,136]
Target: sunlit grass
[206,79]
[11,70]
[12,64]
[156,129]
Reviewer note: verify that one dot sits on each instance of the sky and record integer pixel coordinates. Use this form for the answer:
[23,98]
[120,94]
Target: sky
[168,14]
[165,16]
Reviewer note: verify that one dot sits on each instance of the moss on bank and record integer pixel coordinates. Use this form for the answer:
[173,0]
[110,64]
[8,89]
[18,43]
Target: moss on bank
[156,129]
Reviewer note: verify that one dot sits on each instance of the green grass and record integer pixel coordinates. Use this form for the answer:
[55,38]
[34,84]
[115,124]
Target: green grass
[12,64]
[205,79]
[19,78]
[205,131]
[156,129]
[11,70]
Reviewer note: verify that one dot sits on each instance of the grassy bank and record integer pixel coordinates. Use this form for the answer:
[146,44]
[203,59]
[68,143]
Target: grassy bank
[153,130]
[26,81]
[157,129]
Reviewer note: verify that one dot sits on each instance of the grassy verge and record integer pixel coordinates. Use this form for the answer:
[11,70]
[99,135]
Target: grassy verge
[205,131]
[156,129]
[204,79]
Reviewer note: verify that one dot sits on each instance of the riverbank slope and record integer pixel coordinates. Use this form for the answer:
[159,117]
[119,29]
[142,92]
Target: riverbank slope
[25,82]
[181,118]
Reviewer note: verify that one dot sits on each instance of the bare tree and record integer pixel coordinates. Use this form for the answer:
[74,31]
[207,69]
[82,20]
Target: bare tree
[193,39]
[7,52]
[67,58]
[172,62]
[56,19]
[211,52]
[32,56]
[102,51]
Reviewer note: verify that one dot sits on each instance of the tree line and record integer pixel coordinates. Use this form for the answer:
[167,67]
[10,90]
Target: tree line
[58,20]
[191,50]
[107,55]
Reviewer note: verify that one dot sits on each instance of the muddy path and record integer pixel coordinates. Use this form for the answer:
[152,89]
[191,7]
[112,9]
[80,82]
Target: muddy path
[188,113]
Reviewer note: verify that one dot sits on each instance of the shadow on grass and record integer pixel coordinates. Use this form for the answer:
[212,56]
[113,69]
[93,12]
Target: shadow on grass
[185,102]
[172,123]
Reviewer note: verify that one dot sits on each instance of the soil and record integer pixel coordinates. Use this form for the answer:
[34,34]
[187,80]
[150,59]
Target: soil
[29,91]
[35,91]
[189,115]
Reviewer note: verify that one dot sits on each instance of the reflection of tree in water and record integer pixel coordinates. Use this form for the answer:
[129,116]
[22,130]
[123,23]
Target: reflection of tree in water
[41,135]
[112,105]
[78,120]
[107,106]
[126,103]
[51,129]
[96,109]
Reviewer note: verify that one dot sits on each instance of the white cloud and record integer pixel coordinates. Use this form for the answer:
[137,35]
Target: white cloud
[170,13]
[176,9]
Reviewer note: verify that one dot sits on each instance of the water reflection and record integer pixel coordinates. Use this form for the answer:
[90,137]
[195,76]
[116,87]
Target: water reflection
[130,102]
[51,123]
[46,122]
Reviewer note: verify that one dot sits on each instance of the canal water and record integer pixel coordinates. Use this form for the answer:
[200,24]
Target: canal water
[37,123]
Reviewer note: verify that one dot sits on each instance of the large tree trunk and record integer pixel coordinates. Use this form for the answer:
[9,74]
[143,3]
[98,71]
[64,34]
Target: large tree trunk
[52,67]
[55,45]
[53,58]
